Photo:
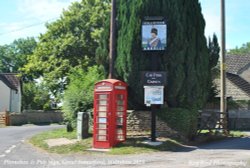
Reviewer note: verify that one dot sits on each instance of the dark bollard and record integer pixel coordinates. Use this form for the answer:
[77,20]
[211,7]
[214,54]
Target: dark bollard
[69,127]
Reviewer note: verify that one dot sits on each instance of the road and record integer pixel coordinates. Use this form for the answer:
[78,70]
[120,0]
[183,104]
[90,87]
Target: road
[15,152]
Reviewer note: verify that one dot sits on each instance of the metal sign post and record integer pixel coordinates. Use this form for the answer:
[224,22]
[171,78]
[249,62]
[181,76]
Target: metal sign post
[154,42]
[154,87]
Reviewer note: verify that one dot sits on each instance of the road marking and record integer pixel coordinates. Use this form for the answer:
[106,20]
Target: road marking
[1,156]
[10,149]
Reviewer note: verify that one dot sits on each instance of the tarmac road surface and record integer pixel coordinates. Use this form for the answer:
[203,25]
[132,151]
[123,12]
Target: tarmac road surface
[15,152]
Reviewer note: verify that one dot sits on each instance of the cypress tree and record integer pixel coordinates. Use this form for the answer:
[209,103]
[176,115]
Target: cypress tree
[214,53]
[186,59]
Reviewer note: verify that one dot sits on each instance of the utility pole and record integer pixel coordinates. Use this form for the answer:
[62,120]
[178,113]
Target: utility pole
[223,100]
[112,42]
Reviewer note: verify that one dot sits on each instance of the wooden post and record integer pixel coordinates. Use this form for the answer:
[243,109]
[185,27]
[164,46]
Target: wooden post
[223,71]
[112,43]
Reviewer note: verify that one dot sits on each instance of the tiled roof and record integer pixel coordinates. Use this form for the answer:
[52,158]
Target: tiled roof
[237,63]
[11,80]
[239,82]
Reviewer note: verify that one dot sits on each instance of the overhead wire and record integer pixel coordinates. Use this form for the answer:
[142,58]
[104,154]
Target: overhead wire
[26,27]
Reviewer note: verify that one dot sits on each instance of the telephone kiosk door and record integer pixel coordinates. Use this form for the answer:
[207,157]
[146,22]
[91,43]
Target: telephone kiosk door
[101,121]
[121,116]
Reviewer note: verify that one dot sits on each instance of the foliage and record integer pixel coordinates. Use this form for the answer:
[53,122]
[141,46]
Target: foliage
[14,56]
[35,96]
[71,41]
[181,120]
[244,49]
[238,134]
[214,53]
[79,94]
[186,60]
[237,104]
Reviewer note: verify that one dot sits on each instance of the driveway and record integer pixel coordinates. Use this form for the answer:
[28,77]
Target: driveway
[230,153]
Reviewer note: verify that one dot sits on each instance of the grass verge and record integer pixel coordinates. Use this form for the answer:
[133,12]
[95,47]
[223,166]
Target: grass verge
[130,146]
[133,145]
[231,133]
[207,136]
[136,146]
[79,147]
[237,134]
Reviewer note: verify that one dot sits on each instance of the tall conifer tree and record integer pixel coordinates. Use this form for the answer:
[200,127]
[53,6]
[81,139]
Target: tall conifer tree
[186,59]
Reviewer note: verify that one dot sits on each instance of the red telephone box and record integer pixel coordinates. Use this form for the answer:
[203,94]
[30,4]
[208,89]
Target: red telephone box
[110,111]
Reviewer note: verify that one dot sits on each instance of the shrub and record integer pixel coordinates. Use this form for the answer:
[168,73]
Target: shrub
[79,93]
[181,120]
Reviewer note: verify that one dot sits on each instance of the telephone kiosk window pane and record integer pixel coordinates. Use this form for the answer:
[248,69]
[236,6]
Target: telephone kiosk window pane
[120,102]
[103,102]
[119,121]
[102,126]
[119,131]
[103,96]
[101,138]
[102,114]
[119,113]
[102,108]
[120,108]
[120,97]
[102,132]
[102,120]
[120,137]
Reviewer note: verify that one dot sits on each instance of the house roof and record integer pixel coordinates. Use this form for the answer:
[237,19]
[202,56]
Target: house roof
[239,82]
[236,64]
[11,80]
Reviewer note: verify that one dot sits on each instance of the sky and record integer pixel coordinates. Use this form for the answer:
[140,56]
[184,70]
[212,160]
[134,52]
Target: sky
[27,18]
[237,21]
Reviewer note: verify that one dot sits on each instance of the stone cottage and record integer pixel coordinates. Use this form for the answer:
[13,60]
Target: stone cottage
[237,77]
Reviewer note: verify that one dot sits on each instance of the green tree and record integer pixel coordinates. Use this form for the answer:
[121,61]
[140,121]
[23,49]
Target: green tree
[214,53]
[14,56]
[70,41]
[35,96]
[244,49]
[79,93]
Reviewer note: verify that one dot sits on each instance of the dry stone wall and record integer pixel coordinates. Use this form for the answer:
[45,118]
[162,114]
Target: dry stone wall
[140,121]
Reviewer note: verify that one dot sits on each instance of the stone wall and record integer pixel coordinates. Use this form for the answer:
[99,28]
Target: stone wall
[140,121]
[35,118]
[3,119]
